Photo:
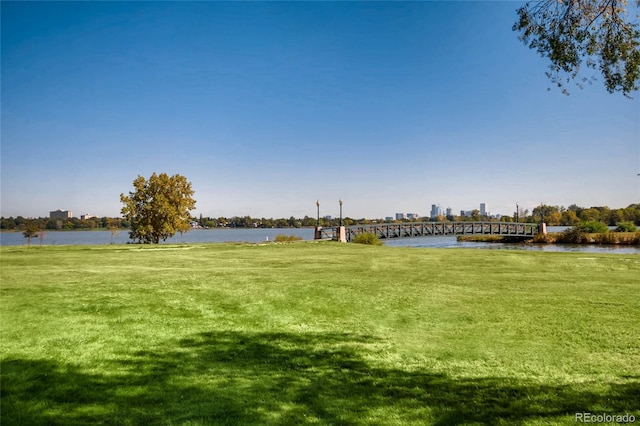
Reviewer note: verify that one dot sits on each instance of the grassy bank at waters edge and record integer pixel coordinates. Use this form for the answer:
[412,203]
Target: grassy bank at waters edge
[608,238]
[316,333]
[613,238]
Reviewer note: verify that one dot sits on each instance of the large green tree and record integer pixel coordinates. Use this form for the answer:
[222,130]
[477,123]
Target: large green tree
[158,208]
[601,34]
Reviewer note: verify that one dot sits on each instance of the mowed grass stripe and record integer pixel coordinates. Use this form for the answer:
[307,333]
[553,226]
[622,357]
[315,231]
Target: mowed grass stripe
[316,333]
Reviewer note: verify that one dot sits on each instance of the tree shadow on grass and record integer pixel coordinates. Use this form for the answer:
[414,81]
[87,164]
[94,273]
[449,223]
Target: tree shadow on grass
[282,378]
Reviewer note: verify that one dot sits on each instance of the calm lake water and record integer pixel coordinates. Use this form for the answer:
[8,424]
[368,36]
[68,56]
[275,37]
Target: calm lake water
[262,235]
[193,236]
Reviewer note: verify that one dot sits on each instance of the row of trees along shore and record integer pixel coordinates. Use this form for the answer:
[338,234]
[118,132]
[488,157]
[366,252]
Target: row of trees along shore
[551,215]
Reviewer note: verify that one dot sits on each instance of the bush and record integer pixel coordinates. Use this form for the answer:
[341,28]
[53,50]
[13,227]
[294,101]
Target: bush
[626,227]
[593,227]
[280,238]
[368,238]
[573,235]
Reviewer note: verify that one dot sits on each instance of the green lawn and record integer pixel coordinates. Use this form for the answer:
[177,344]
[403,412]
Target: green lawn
[316,333]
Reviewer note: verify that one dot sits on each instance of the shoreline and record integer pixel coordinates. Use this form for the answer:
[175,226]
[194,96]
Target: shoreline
[607,238]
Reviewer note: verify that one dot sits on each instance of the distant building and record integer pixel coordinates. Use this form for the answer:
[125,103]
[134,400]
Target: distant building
[435,211]
[87,216]
[483,209]
[388,218]
[400,216]
[413,216]
[449,212]
[60,214]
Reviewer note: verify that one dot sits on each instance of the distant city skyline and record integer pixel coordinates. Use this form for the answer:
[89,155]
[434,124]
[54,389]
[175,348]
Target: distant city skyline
[436,210]
[267,107]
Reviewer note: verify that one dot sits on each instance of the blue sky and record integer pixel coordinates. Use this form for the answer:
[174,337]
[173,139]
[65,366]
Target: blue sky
[267,106]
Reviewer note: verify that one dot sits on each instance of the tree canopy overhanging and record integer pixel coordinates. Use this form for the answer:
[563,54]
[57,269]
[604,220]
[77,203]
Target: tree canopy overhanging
[158,207]
[600,34]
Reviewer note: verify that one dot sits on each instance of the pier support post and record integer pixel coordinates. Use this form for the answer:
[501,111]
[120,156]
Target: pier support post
[317,235]
[542,228]
[341,234]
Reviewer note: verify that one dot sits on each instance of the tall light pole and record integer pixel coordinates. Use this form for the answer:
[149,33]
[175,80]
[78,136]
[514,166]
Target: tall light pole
[340,211]
[318,206]
[517,213]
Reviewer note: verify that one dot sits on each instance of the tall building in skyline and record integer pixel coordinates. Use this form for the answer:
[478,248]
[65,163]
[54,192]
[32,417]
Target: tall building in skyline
[483,209]
[436,211]
[60,214]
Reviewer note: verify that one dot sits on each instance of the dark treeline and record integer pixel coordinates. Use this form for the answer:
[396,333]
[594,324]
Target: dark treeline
[20,223]
[552,215]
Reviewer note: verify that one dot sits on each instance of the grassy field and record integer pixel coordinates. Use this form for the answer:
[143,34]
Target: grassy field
[316,333]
